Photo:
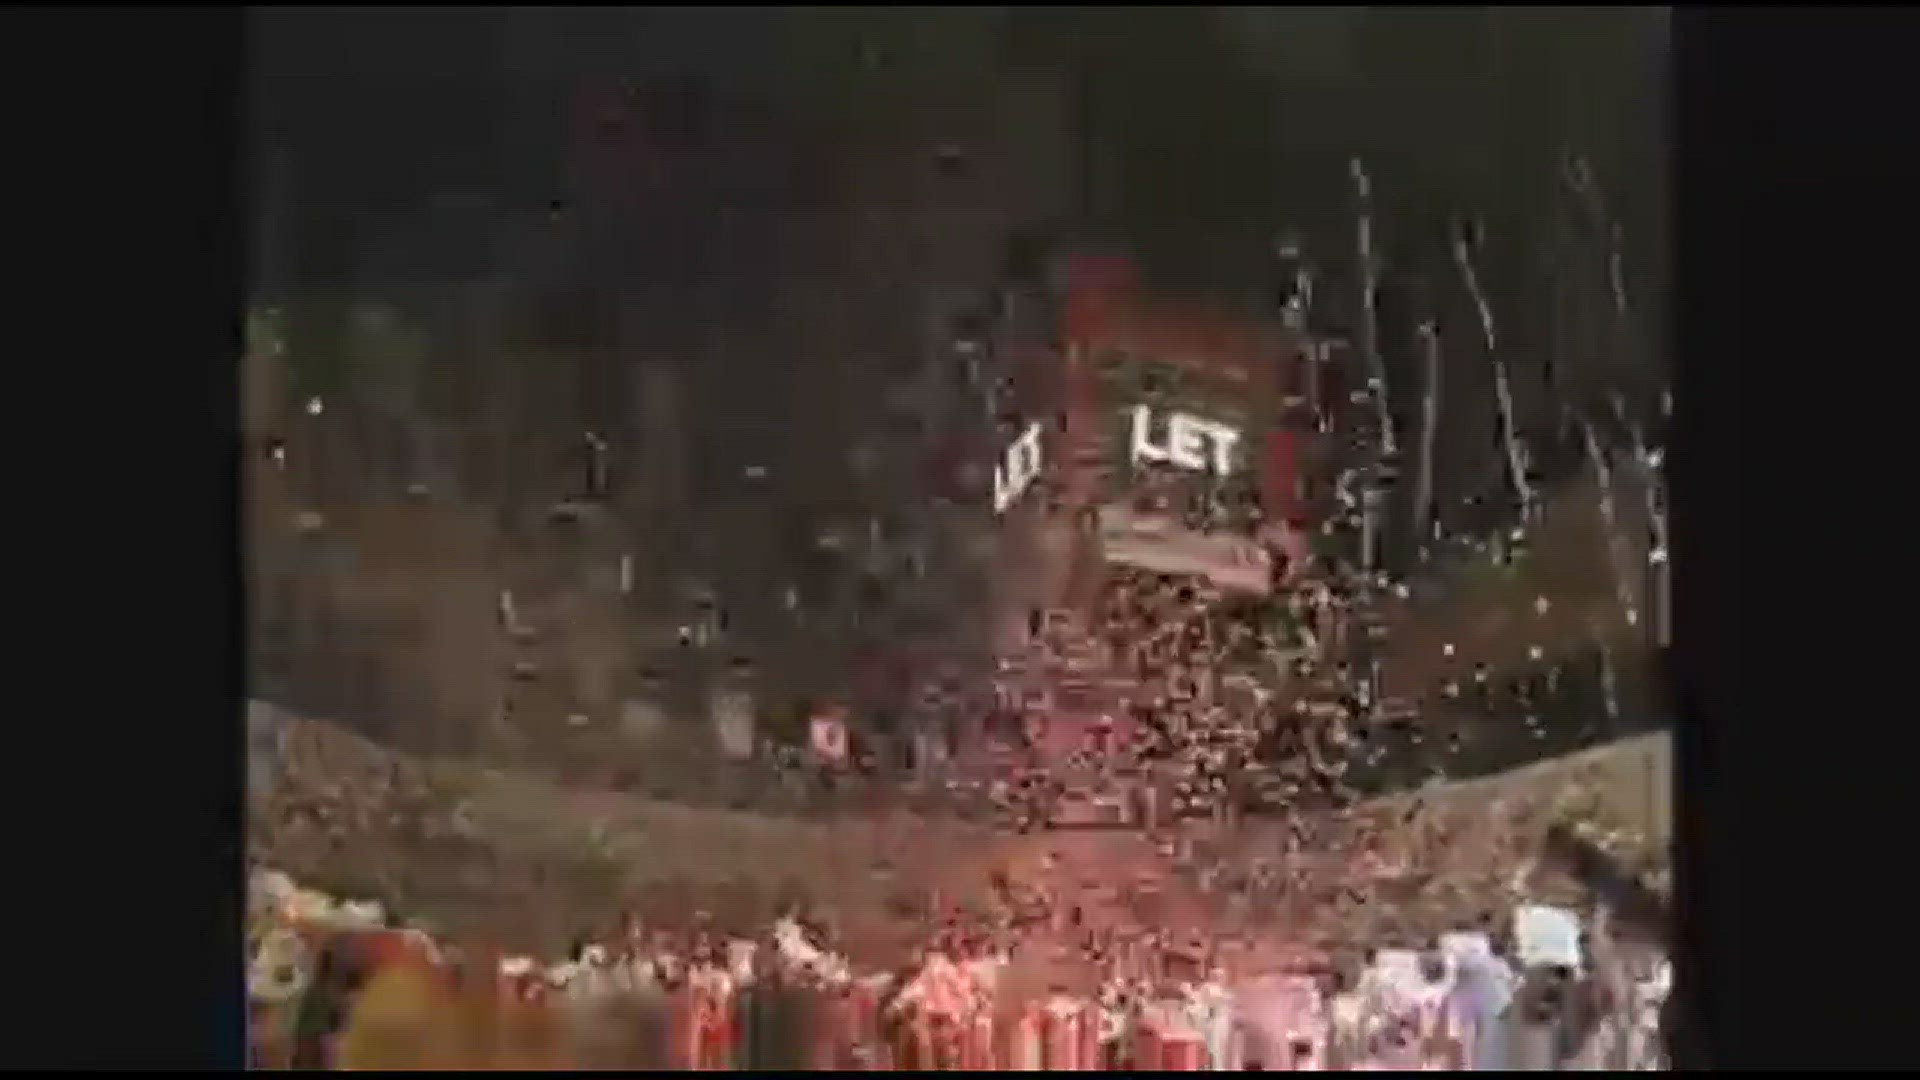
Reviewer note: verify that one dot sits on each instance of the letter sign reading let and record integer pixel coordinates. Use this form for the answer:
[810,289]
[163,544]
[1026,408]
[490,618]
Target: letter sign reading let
[1191,442]
[1014,474]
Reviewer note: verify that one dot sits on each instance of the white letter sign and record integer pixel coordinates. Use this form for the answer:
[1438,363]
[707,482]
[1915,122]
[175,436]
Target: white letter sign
[1143,445]
[1188,442]
[1016,472]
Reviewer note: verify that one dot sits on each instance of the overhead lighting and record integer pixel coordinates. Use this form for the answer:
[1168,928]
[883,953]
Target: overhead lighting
[314,407]
[1535,652]
[1447,649]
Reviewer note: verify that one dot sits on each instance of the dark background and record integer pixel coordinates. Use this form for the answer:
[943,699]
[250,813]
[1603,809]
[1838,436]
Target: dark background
[1197,133]
[753,202]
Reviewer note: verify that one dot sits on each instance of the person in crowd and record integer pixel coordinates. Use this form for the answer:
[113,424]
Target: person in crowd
[323,1012]
[1534,1019]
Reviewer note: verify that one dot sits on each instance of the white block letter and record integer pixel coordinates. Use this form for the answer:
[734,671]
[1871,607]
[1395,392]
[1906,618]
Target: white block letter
[1143,446]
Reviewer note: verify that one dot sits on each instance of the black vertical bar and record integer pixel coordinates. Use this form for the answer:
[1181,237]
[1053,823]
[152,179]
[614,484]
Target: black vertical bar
[269,276]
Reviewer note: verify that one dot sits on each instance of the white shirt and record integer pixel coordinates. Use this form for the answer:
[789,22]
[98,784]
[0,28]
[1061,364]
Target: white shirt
[1484,985]
[1429,1006]
[1349,1014]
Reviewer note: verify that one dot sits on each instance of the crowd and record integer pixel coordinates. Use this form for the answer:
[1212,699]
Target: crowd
[1040,975]
[337,983]
[1046,973]
[318,792]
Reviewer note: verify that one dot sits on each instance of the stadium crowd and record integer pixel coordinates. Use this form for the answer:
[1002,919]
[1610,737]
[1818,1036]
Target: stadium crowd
[1411,915]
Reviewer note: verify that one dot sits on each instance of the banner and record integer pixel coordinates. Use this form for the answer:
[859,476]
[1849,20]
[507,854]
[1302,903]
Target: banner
[1546,935]
[1159,543]
[1466,946]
